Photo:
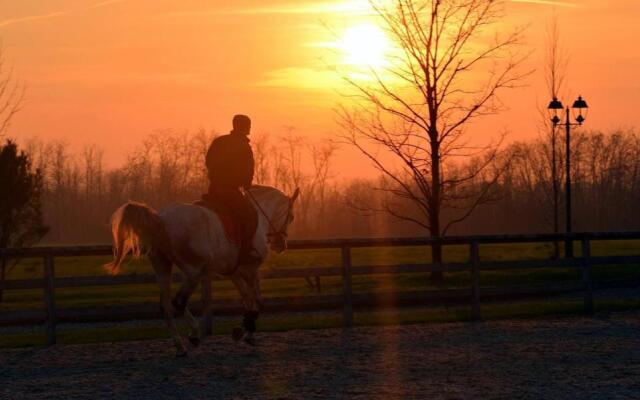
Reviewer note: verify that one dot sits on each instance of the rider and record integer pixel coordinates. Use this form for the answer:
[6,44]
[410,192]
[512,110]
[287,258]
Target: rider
[230,165]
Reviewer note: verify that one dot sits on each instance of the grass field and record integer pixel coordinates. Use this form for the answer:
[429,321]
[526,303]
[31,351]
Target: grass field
[126,294]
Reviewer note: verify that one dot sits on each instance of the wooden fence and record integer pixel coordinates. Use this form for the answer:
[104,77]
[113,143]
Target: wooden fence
[473,295]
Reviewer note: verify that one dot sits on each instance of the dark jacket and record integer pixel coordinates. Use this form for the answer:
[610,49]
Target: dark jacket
[230,161]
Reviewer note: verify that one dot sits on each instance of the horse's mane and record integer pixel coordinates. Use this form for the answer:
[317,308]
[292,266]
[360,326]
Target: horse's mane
[264,191]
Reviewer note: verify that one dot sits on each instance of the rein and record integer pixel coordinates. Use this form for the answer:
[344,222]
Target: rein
[273,232]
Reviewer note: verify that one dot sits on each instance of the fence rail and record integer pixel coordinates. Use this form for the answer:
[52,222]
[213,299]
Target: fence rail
[50,315]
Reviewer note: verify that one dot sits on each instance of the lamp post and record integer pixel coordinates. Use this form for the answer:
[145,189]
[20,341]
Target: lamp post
[555,109]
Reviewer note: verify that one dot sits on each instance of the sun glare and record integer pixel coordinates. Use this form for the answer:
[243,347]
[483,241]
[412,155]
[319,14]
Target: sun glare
[365,45]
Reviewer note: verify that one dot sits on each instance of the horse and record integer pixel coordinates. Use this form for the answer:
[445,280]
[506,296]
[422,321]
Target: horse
[194,239]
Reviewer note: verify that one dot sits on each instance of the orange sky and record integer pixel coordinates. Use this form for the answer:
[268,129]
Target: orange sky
[110,72]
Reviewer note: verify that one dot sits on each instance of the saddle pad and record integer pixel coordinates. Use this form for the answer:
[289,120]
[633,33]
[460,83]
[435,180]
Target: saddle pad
[231,227]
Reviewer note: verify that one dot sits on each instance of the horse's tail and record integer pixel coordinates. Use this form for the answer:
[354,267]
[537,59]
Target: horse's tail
[134,227]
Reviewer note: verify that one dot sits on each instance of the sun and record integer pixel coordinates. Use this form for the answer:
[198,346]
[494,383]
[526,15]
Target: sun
[365,45]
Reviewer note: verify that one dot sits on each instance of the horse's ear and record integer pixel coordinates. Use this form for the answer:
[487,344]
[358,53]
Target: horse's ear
[295,195]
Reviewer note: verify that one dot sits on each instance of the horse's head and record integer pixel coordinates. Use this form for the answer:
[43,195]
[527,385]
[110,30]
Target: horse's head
[277,208]
[282,219]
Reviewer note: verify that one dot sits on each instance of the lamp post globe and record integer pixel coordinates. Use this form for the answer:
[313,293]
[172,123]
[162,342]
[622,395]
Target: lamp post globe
[580,110]
[555,107]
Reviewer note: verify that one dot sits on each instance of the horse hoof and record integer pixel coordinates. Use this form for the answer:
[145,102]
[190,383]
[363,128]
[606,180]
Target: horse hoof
[237,334]
[194,340]
[250,341]
[182,354]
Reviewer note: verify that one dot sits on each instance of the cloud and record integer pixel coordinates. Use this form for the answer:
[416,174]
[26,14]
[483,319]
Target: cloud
[318,79]
[11,21]
[352,7]
[344,7]
[301,78]
[360,7]
[105,3]
[355,7]
[547,3]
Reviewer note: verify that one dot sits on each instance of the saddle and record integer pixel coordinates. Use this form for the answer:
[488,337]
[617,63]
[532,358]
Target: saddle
[231,227]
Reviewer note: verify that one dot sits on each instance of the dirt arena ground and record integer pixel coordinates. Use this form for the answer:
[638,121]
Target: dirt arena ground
[571,358]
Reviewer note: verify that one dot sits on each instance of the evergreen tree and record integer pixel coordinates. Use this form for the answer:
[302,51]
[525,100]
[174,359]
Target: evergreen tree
[21,222]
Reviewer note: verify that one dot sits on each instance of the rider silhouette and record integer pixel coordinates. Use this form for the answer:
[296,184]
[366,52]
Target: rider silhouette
[230,165]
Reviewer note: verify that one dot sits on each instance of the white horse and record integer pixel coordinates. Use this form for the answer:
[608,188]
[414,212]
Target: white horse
[194,239]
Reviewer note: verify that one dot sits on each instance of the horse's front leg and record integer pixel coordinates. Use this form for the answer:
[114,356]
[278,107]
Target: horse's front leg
[251,316]
[249,324]
[194,328]
[248,285]
[245,332]
[180,303]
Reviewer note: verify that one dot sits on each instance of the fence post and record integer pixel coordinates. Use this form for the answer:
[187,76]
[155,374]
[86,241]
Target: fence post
[586,276]
[207,319]
[346,287]
[475,281]
[49,299]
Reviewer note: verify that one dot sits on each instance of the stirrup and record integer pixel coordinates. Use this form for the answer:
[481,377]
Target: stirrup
[249,258]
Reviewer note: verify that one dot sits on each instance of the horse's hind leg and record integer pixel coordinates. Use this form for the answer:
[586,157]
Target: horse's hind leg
[162,267]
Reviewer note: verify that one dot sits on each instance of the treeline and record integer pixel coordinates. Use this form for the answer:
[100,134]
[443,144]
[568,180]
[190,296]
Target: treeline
[605,175]
[80,193]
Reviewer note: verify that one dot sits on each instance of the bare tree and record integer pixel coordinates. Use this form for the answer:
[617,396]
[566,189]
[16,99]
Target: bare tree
[11,95]
[288,169]
[447,72]
[556,61]
[92,178]
[321,156]
[263,158]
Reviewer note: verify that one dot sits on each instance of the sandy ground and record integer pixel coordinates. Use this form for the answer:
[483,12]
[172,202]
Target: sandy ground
[573,358]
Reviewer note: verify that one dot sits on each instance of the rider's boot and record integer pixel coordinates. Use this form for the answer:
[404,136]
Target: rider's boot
[247,255]
[247,218]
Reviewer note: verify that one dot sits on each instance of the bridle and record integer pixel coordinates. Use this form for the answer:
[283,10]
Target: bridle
[276,234]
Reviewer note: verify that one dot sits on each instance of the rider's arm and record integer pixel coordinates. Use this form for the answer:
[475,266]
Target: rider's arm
[250,166]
